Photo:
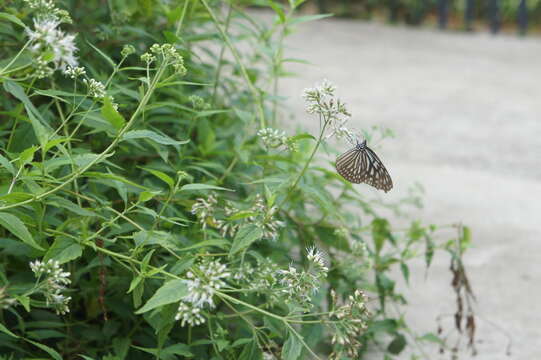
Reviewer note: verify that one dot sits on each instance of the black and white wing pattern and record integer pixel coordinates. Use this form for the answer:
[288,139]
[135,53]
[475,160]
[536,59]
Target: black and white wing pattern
[362,165]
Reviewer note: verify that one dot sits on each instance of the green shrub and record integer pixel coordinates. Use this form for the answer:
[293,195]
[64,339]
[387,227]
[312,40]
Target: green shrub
[149,209]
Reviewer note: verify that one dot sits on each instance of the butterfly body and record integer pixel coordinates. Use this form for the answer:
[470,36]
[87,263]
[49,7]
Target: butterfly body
[362,165]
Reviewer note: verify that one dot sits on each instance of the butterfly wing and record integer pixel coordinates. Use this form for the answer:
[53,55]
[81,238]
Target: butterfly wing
[376,173]
[348,165]
[362,165]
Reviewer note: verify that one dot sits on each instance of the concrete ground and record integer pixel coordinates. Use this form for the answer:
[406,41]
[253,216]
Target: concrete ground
[466,109]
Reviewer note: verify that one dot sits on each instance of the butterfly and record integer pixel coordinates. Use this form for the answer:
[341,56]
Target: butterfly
[362,165]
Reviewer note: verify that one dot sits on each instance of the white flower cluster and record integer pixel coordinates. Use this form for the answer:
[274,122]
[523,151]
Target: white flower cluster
[352,321]
[317,260]
[189,314]
[204,210]
[198,103]
[46,9]
[201,289]
[55,281]
[321,100]
[299,286]
[274,138]
[127,50]
[74,72]
[168,54]
[265,218]
[47,39]
[291,285]
[95,88]
[262,279]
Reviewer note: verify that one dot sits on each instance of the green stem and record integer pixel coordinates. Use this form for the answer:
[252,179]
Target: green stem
[220,58]
[103,154]
[236,55]
[301,174]
[3,71]
[181,20]
[277,64]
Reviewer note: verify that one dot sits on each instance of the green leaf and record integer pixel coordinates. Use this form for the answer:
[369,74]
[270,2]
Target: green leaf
[16,197]
[387,326]
[110,114]
[41,128]
[167,353]
[43,334]
[24,301]
[133,284]
[465,238]
[27,155]
[278,10]
[431,338]
[306,18]
[17,228]
[429,250]
[84,160]
[52,143]
[155,237]
[151,135]
[86,357]
[100,175]
[193,187]
[64,249]
[206,113]
[146,195]
[55,355]
[162,176]
[107,58]
[182,265]
[242,341]
[12,18]
[397,345]
[380,232]
[70,206]
[292,348]
[245,237]
[405,272]
[121,345]
[242,215]
[178,349]
[172,291]
[303,136]
[6,331]
[251,352]
[7,164]
[220,243]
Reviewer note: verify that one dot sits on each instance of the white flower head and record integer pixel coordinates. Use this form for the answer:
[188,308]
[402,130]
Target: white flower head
[321,100]
[74,72]
[47,40]
[204,210]
[317,258]
[274,138]
[201,288]
[53,284]
[95,88]
[189,314]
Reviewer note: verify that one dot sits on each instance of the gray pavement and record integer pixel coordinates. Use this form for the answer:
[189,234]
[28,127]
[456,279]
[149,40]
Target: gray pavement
[466,109]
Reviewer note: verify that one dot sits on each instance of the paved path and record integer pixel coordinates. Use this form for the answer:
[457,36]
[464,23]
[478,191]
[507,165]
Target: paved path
[466,109]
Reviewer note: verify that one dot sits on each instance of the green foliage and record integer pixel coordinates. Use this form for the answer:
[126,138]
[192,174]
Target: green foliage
[141,214]
[414,12]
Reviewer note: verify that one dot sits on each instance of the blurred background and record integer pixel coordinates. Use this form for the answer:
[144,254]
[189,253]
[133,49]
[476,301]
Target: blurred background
[458,82]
